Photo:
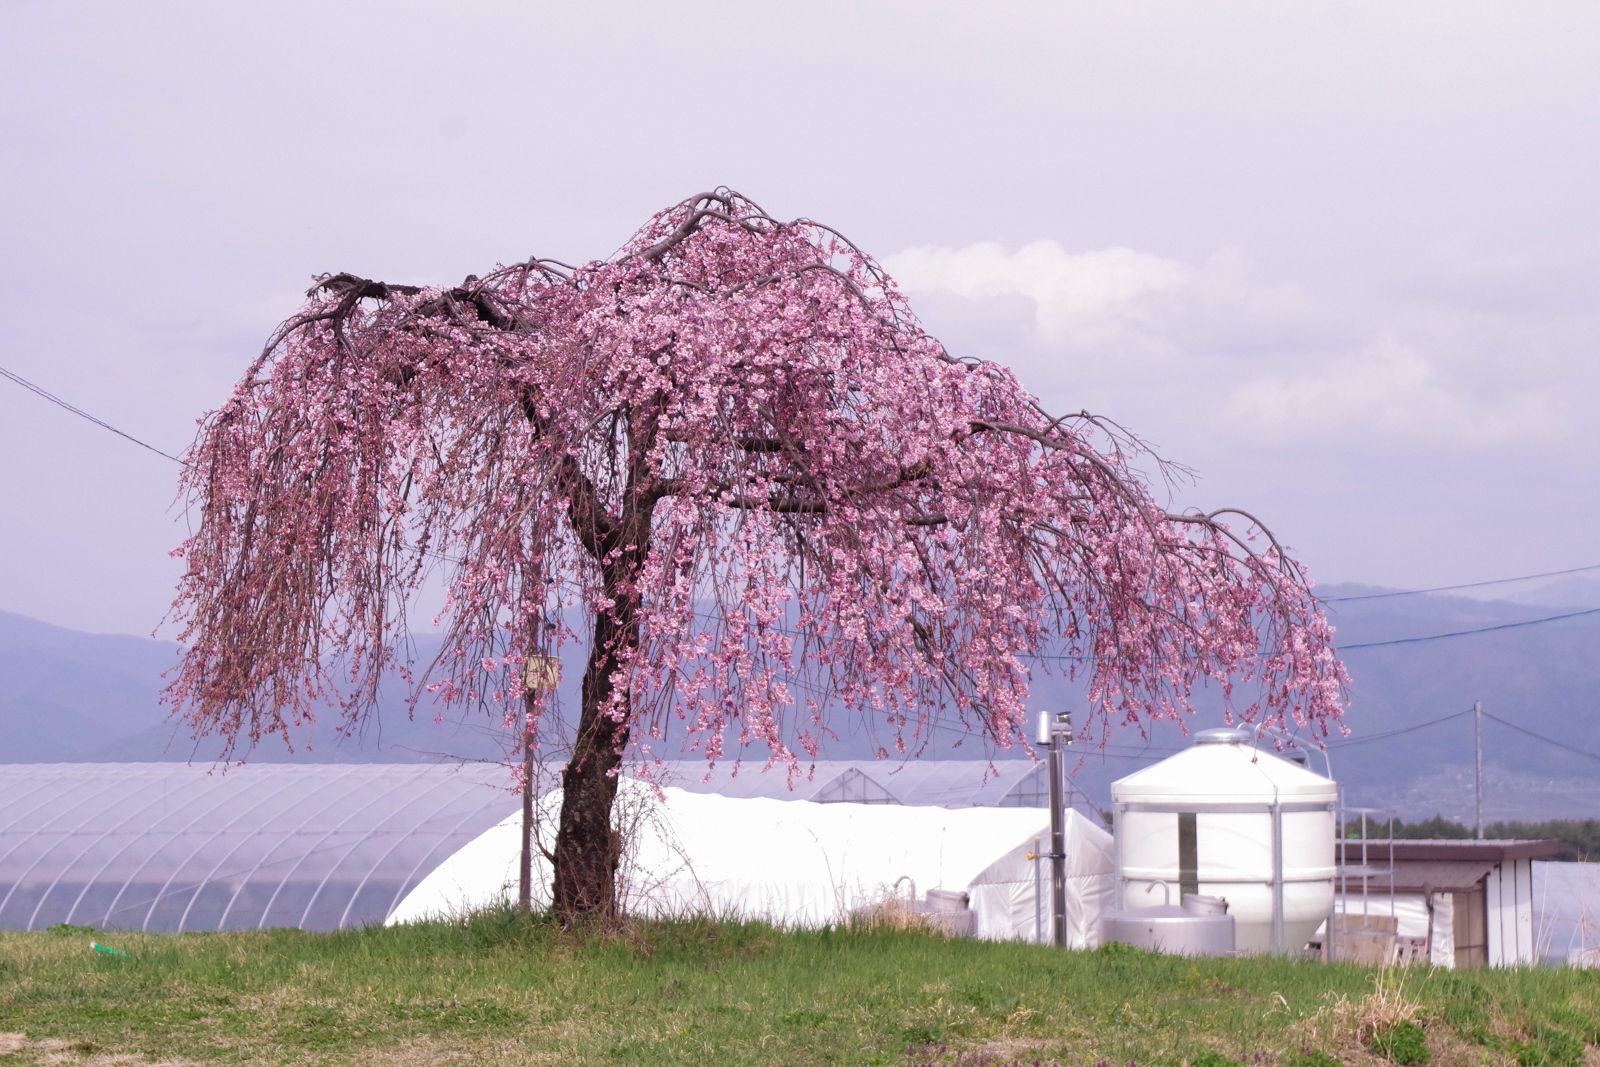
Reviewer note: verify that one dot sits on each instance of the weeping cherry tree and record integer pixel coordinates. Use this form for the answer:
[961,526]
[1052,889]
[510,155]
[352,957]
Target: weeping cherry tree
[775,500]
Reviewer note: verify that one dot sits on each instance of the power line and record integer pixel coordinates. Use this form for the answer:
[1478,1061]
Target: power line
[52,398]
[1338,648]
[1397,733]
[1466,585]
[1464,633]
[45,394]
[56,400]
[1397,640]
[1540,737]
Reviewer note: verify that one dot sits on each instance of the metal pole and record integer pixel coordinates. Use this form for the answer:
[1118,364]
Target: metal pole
[1364,870]
[525,862]
[1038,898]
[1477,746]
[1341,863]
[1118,821]
[1058,840]
[1277,879]
[1394,816]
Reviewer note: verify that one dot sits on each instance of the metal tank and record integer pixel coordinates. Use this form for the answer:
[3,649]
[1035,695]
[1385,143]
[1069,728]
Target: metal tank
[951,912]
[1223,818]
[1201,926]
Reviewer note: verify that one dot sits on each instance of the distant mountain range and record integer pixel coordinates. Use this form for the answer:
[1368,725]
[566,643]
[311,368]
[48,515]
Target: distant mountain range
[67,696]
[1543,678]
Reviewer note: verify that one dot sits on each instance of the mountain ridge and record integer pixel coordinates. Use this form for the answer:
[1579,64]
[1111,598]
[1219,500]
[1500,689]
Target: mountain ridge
[70,696]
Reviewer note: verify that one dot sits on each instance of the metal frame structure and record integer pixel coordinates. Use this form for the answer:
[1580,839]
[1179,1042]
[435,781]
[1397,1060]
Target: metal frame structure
[1363,870]
[171,847]
[1054,734]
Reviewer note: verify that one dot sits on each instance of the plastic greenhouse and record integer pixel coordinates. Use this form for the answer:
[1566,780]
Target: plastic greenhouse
[168,847]
[802,863]
[972,783]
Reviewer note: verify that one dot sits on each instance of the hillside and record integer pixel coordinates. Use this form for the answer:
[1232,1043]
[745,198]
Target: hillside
[67,696]
[70,696]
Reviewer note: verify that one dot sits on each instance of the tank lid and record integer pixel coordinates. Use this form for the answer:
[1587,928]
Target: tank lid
[1225,735]
[1223,767]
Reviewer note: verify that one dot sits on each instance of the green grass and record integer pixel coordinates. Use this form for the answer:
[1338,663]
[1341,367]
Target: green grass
[500,988]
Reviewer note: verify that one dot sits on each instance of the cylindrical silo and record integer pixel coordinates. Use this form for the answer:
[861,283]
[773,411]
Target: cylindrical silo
[1226,819]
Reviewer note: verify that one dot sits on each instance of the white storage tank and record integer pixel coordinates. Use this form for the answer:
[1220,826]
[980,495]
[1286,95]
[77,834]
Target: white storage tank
[1226,819]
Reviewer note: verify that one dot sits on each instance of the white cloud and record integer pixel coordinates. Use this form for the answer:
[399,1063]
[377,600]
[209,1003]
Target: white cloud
[1076,295]
[1156,341]
[1393,389]
[1115,302]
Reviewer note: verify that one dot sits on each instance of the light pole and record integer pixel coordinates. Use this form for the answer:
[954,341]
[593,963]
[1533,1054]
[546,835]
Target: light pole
[538,674]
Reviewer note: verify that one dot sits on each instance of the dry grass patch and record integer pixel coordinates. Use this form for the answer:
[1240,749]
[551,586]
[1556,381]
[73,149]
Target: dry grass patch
[1345,1022]
[60,1052]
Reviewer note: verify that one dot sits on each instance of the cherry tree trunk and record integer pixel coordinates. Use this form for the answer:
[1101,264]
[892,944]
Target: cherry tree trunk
[588,848]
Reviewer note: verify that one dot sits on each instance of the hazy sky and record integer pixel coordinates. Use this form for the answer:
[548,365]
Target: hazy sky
[1340,258]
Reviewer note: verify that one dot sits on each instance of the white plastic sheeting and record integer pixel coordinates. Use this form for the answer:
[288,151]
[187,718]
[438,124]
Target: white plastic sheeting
[1005,893]
[1508,907]
[912,782]
[1567,896]
[794,863]
[169,847]
[1410,910]
[1442,939]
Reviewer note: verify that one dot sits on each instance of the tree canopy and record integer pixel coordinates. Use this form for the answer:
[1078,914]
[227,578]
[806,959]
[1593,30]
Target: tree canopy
[734,450]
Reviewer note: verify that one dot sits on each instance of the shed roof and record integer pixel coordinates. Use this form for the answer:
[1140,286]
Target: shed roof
[1438,876]
[1489,851]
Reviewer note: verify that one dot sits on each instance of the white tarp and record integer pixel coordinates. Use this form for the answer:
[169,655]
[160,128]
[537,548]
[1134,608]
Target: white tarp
[794,863]
[1410,910]
[1005,893]
[913,782]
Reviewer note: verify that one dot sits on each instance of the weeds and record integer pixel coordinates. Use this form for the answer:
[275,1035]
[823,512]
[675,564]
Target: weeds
[1547,1046]
[1346,1021]
[1214,1059]
[1313,1057]
[1402,1043]
[893,912]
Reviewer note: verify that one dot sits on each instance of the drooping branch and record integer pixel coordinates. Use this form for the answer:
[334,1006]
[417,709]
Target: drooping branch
[734,453]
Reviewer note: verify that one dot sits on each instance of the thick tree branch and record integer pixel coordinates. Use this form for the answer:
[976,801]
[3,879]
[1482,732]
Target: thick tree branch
[513,427]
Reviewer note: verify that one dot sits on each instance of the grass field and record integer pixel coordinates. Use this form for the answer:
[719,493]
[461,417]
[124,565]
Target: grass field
[500,988]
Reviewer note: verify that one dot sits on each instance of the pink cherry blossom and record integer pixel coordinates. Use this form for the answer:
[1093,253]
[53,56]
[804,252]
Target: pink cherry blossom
[776,499]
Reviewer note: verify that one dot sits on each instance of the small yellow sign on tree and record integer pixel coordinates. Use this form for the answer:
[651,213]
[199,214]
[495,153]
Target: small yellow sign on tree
[541,672]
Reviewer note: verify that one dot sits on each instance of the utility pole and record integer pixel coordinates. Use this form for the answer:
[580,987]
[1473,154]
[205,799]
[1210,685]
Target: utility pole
[1477,746]
[1056,731]
[538,673]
